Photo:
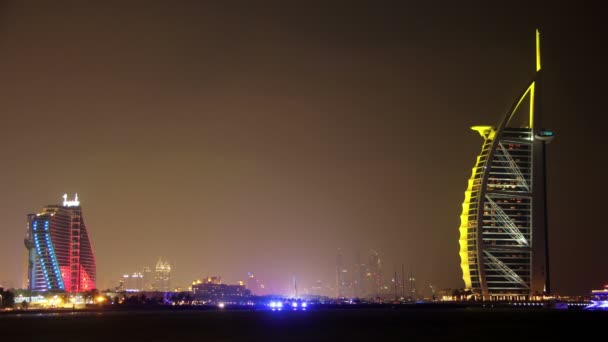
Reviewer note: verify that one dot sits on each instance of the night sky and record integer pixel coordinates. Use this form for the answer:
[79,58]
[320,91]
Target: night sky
[234,137]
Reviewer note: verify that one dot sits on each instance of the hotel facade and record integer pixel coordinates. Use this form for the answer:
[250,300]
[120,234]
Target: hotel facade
[503,225]
[60,255]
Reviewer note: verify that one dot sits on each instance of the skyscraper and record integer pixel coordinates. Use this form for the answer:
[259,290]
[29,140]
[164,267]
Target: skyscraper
[162,279]
[60,256]
[374,274]
[147,278]
[132,283]
[359,270]
[342,283]
[503,230]
[252,284]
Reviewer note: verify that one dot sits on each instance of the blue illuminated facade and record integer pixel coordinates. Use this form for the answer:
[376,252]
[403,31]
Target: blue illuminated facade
[46,262]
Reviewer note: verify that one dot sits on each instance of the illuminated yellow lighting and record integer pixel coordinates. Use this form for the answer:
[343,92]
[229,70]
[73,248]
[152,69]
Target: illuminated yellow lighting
[537,50]
[532,88]
[100,299]
[487,133]
[530,91]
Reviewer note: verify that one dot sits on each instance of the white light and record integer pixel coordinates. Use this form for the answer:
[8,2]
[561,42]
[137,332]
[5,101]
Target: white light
[73,203]
[294,304]
[304,305]
[279,305]
[221,305]
[273,304]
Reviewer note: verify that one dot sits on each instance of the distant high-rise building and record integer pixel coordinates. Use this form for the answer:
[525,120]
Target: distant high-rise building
[133,282]
[60,255]
[412,282]
[343,285]
[359,270]
[212,289]
[317,289]
[162,279]
[148,279]
[503,226]
[374,274]
[252,284]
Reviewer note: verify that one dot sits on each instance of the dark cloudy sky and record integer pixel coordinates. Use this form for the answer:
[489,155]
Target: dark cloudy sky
[237,136]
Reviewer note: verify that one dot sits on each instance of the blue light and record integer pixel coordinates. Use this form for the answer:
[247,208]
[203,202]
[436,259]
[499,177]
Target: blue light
[304,304]
[273,304]
[601,305]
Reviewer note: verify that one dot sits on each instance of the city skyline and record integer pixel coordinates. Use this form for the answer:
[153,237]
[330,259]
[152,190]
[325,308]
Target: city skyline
[234,139]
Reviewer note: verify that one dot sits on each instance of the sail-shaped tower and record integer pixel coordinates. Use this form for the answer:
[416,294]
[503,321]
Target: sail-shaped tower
[503,226]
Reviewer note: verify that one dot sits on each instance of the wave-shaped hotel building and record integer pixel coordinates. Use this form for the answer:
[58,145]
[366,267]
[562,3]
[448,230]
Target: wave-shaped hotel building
[503,229]
[60,255]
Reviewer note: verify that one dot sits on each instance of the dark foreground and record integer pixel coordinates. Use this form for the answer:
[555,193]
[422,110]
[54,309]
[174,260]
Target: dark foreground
[376,324]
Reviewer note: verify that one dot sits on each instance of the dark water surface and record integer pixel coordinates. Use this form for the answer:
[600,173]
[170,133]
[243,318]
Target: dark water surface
[473,324]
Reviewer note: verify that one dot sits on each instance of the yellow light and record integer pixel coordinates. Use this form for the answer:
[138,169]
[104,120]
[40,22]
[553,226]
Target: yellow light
[532,88]
[537,50]
[488,133]
[529,91]
[100,299]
